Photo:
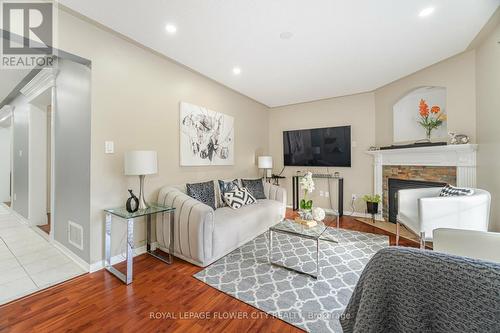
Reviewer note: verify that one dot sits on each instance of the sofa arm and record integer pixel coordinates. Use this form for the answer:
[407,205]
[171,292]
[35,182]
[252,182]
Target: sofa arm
[274,192]
[193,226]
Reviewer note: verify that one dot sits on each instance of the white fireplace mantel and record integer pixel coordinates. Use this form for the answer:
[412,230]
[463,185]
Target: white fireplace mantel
[463,157]
[449,155]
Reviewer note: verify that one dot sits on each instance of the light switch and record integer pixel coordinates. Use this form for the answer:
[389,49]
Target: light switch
[109,147]
[354,144]
[20,153]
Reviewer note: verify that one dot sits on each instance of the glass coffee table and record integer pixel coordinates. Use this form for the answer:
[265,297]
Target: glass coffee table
[292,228]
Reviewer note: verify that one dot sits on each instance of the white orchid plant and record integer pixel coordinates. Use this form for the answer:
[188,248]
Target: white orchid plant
[307,185]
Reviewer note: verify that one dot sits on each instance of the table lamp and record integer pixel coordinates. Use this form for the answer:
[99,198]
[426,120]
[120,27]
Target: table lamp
[266,162]
[141,163]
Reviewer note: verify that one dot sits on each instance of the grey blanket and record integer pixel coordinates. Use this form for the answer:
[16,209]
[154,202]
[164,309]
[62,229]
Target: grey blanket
[410,290]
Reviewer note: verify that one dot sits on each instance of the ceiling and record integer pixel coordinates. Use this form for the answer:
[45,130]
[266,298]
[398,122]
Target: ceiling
[337,47]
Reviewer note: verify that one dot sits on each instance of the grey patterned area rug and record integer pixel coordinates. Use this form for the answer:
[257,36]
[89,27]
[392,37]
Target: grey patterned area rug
[309,304]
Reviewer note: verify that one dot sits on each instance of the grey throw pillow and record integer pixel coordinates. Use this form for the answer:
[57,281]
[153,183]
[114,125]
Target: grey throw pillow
[204,192]
[255,187]
[227,186]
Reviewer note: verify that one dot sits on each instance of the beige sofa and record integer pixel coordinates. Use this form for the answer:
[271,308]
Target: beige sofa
[203,235]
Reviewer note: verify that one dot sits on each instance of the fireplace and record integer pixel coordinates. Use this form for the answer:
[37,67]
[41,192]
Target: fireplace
[452,164]
[402,184]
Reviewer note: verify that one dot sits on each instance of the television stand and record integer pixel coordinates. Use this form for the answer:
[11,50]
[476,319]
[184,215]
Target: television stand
[340,192]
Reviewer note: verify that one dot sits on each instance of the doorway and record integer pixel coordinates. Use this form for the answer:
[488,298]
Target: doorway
[32,255]
[5,156]
[40,161]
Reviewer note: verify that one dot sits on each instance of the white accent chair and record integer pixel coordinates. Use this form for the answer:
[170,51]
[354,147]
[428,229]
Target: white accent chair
[468,243]
[423,210]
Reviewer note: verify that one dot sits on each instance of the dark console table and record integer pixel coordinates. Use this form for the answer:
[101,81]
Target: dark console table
[340,197]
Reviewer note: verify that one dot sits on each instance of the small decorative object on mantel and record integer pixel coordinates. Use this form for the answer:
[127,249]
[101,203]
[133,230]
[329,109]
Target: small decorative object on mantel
[458,139]
[430,119]
[132,205]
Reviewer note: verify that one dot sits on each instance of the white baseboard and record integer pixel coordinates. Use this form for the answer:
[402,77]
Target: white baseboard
[97,266]
[79,261]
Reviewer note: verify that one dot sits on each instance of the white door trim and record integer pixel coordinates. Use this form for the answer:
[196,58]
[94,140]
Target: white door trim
[44,80]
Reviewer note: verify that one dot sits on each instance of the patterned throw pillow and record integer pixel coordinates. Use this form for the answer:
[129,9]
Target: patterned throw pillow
[226,186]
[204,192]
[239,198]
[452,191]
[255,187]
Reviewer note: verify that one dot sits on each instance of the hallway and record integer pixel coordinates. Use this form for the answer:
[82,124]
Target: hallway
[28,262]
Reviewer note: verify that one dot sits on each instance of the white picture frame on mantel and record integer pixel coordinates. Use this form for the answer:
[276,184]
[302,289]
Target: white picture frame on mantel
[406,114]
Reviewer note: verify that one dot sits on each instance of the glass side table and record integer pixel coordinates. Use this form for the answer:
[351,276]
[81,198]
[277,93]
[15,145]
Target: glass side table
[122,214]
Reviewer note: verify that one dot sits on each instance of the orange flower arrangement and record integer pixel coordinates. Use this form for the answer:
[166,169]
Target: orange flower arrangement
[424,108]
[430,119]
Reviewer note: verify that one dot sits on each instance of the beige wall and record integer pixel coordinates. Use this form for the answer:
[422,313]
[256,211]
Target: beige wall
[457,74]
[357,111]
[488,120]
[135,103]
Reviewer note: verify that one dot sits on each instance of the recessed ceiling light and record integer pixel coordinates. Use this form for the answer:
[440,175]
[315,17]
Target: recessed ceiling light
[426,12]
[286,35]
[171,29]
[236,71]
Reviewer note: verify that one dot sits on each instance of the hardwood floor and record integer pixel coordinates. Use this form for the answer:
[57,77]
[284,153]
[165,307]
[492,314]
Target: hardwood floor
[46,227]
[159,293]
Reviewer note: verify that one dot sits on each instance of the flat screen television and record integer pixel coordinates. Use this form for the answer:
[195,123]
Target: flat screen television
[322,147]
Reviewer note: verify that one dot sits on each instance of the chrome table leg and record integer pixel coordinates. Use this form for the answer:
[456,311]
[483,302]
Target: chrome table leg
[150,251]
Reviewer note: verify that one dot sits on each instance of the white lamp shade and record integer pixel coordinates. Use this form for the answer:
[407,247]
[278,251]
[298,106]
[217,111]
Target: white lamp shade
[141,162]
[265,162]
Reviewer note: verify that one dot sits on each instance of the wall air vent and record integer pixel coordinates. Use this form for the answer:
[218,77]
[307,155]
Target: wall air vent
[75,235]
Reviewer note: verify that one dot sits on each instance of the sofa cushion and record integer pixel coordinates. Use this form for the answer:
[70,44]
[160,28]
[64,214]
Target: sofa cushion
[233,227]
[238,198]
[204,192]
[255,187]
[226,186]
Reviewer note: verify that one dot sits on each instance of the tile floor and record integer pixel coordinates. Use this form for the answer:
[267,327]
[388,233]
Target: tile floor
[28,262]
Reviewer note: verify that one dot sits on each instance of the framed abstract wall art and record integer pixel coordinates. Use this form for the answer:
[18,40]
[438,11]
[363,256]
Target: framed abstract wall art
[207,137]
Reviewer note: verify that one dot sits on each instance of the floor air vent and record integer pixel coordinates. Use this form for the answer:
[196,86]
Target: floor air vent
[75,235]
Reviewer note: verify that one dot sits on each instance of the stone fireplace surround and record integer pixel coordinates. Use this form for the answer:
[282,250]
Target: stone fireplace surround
[453,164]
[433,174]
